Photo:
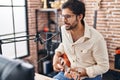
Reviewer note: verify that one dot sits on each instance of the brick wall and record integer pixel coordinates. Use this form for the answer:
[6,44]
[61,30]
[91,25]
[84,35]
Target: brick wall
[108,23]
[32,6]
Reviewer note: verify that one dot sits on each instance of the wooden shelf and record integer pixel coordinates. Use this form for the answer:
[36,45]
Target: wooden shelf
[50,37]
[48,10]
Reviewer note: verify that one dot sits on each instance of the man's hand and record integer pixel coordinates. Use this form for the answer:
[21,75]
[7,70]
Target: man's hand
[57,65]
[67,73]
[72,74]
[75,75]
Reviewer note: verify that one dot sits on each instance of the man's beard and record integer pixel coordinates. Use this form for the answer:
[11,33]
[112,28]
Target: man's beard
[71,27]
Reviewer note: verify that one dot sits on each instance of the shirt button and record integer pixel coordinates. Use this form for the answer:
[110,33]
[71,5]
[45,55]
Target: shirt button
[81,50]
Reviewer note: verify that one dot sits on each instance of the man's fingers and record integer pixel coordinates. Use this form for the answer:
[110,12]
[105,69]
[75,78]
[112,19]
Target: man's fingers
[68,75]
[75,75]
[58,67]
[62,62]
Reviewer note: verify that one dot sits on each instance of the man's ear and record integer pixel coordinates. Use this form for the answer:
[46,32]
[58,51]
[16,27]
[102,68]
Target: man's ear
[80,17]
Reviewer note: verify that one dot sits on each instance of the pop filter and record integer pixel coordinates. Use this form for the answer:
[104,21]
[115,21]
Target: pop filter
[15,69]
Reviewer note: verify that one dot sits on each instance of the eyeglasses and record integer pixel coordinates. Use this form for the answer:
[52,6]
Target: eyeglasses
[67,16]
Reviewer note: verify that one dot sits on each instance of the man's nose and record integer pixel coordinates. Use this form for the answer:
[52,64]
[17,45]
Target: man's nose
[64,20]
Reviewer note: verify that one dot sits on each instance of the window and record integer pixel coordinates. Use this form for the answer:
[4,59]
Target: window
[13,24]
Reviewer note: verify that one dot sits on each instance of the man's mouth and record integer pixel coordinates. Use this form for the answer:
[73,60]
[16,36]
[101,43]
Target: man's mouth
[66,24]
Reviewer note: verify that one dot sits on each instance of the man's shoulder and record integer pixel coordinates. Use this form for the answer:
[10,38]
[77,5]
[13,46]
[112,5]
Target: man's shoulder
[95,33]
[92,31]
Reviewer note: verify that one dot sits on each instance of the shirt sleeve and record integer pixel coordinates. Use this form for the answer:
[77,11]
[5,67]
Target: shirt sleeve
[60,48]
[100,55]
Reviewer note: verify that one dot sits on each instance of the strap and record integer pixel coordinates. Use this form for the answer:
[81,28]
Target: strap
[9,69]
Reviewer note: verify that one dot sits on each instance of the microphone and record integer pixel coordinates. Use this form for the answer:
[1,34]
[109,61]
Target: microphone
[41,40]
[38,38]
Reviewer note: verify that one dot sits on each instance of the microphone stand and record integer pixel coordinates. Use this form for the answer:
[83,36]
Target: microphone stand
[43,42]
[28,37]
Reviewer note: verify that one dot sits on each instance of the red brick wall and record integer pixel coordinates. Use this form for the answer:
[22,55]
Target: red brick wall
[108,23]
[32,5]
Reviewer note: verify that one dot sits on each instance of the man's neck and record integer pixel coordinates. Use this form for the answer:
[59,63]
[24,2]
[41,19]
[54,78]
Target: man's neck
[77,33]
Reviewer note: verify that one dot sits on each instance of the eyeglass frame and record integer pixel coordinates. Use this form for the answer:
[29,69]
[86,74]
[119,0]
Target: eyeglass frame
[67,16]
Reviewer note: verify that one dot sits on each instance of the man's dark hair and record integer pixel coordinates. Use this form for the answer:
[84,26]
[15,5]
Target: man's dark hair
[76,6]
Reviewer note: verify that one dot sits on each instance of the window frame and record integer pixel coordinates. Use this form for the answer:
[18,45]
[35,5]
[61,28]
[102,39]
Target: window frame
[16,55]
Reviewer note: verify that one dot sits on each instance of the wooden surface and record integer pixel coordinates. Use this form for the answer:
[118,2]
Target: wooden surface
[112,66]
[42,77]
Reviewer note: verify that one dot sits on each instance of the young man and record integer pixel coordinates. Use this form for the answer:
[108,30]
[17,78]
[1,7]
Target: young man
[84,46]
